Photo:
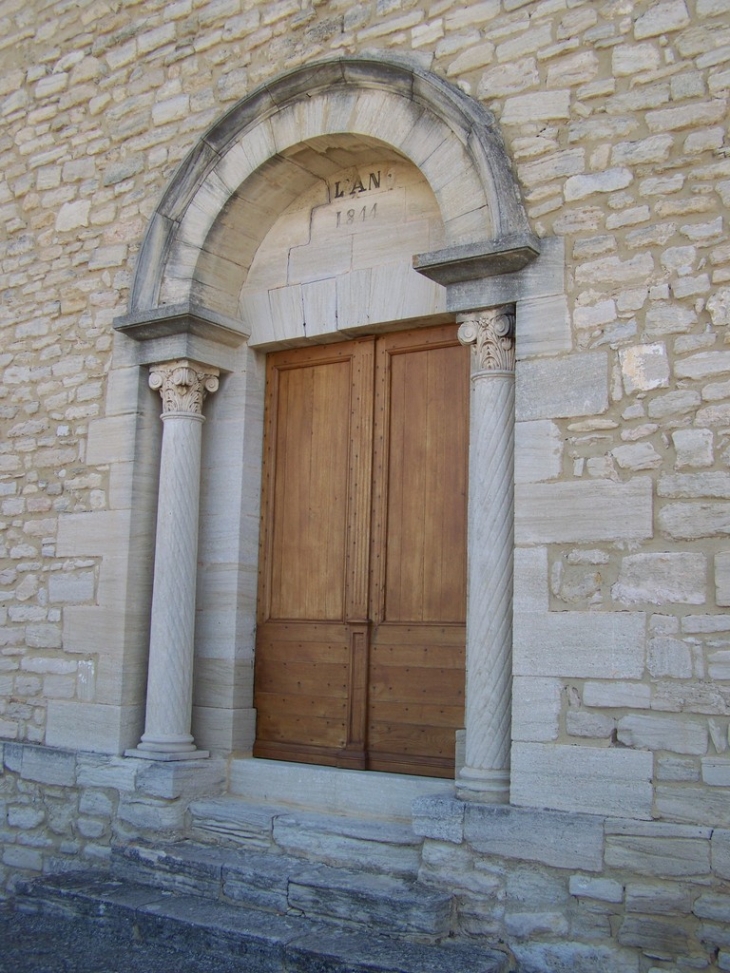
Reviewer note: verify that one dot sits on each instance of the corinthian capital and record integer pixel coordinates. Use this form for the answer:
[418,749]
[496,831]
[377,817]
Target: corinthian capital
[183,385]
[492,333]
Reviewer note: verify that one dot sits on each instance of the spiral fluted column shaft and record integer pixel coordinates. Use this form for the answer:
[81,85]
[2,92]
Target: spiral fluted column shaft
[169,706]
[485,775]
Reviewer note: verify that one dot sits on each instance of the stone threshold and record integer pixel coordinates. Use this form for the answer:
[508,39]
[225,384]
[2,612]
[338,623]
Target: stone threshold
[331,790]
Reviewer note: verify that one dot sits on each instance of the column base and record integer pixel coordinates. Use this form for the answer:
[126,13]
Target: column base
[163,755]
[485,786]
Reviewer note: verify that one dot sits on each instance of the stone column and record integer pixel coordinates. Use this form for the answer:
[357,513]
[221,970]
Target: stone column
[183,386]
[485,776]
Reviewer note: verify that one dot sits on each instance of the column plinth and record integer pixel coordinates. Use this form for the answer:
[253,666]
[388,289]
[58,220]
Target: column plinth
[485,776]
[168,716]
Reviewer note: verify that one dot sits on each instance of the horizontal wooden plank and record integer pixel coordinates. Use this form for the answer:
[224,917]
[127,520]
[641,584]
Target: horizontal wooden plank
[419,656]
[403,684]
[391,763]
[391,633]
[302,631]
[311,653]
[308,730]
[294,704]
[293,677]
[428,714]
[422,740]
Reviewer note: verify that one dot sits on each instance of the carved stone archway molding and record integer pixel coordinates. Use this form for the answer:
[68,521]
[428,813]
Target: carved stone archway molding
[185,311]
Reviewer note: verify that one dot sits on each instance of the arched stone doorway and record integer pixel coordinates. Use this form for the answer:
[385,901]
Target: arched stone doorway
[244,255]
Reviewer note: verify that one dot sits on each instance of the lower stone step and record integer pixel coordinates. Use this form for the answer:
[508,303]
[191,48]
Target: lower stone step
[380,846]
[237,940]
[287,885]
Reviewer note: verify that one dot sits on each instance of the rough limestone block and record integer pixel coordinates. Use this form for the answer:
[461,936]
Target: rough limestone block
[95,770]
[716,771]
[538,451]
[440,818]
[658,899]
[602,889]
[555,388]
[171,779]
[653,936]
[722,578]
[693,447]
[580,511]
[694,804]
[661,578]
[47,766]
[689,521]
[536,704]
[629,695]
[559,840]
[582,779]
[588,645]
[644,367]
[568,957]
[672,851]
[663,733]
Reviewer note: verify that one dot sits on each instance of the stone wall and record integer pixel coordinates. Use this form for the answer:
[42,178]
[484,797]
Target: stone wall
[615,116]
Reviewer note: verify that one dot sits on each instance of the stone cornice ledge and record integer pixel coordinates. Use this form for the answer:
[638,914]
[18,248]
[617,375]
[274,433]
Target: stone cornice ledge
[182,319]
[475,261]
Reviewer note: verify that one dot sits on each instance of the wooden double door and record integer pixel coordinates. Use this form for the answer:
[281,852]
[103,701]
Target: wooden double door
[362,587]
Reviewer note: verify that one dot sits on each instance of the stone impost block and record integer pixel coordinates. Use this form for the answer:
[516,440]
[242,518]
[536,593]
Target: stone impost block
[562,387]
[596,510]
[439,817]
[561,840]
[588,645]
[48,766]
[583,779]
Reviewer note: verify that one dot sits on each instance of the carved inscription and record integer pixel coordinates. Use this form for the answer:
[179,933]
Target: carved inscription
[351,216]
[351,187]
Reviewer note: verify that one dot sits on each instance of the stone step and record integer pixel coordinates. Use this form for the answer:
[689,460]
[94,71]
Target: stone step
[390,847]
[239,940]
[288,885]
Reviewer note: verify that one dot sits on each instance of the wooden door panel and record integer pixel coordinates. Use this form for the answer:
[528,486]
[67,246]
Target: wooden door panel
[309,522]
[360,640]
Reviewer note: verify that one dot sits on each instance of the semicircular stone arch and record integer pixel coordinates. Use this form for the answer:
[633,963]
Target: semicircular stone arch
[295,133]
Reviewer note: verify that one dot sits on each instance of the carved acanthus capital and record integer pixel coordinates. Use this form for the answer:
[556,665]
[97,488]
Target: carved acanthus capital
[183,385]
[492,334]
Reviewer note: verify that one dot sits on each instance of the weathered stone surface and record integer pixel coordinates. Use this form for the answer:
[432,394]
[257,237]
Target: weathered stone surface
[48,766]
[601,889]
[644,367]
[658,899]
[654,936]
[538,451]
[571,957]
[722,578]
[440,818]
[688,521]
[579,644]
[536,705]
[663,733]
[608,781]
[553,388]
[560,840]
[661,579]
[577,511]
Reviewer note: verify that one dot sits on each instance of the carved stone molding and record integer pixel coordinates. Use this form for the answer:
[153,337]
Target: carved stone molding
[183,385]
[492,334]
